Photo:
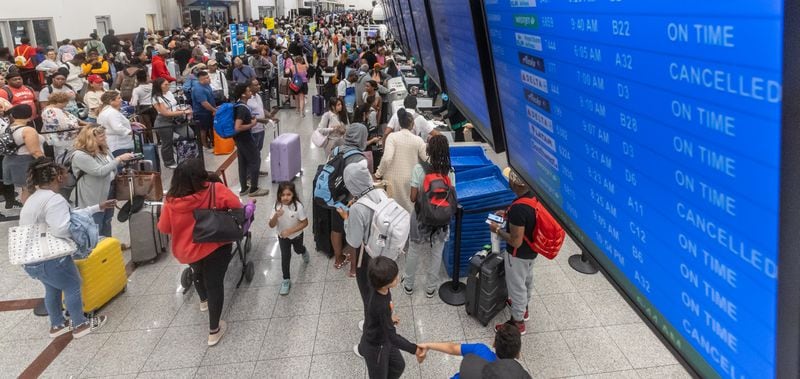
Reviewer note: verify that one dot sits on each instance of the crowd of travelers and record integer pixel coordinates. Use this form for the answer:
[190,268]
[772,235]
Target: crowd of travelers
[73,110]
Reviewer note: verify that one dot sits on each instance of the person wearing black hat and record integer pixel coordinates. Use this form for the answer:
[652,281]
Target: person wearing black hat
[59,84]
[16,93]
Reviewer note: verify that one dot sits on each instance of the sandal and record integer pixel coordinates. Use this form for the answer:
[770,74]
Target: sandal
[341,264]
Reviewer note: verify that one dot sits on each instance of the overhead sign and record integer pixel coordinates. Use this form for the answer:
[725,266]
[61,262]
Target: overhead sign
[653,128]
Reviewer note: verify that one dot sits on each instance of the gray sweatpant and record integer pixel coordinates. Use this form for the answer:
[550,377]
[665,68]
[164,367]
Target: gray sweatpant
[427,247]
[519,280]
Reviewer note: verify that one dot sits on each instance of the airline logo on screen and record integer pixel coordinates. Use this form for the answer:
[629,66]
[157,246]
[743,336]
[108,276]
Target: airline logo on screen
[526,21]
[529,41]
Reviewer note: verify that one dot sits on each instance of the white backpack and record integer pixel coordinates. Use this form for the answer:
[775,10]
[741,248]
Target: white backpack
[389,229]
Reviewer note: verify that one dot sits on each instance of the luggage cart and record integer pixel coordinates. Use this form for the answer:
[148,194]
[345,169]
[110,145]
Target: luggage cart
[243,247]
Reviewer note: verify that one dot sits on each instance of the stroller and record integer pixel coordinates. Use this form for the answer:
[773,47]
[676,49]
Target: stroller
[243,247]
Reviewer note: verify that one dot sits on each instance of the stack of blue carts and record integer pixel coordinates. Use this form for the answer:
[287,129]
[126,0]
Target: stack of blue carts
[479,185]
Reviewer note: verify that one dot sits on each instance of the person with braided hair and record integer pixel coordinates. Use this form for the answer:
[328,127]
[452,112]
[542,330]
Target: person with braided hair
[58,275]
[426,242]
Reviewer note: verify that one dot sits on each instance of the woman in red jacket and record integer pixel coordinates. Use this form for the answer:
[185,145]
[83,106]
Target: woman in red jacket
[189,190]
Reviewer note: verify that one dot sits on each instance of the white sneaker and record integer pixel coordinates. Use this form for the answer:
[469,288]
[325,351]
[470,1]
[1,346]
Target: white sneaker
[355,350]
[203,306]
[361,325]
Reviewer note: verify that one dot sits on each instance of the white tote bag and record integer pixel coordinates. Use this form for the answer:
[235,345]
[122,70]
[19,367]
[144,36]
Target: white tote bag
[34,243]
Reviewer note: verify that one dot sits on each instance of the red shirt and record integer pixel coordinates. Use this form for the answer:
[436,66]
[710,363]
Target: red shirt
[160,69]
[21,95]
[177,219]
[26,51]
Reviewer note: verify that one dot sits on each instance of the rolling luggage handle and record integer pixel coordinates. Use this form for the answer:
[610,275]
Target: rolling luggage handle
[454,292]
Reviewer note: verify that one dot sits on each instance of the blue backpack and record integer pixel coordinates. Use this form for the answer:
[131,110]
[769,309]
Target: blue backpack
[329,188]
[224,120]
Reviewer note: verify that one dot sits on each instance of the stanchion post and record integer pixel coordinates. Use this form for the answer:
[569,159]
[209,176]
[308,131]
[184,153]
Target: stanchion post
[454,292]
[581,263]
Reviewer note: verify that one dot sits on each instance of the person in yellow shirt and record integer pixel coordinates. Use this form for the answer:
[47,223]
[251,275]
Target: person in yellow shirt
[95,64]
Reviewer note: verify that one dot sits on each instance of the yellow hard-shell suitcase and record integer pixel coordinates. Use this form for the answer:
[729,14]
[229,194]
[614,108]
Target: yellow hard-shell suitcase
[102,273]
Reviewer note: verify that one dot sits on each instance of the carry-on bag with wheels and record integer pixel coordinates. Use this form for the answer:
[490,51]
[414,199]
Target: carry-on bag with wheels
[486,287]
[102,274]
[285,157]
[318,105]
[146,241]
[187,147]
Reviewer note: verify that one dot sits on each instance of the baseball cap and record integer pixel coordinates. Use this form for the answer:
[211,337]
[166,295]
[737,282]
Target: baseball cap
[513,177]
[94,79]
[212,62]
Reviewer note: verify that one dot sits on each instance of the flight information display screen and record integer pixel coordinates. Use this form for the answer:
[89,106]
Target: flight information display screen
[461,68]
[401,29]
[425,40]
[408,21]
[653,129]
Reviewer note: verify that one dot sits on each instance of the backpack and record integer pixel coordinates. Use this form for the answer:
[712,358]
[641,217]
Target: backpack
[437,199]
[388,231]
[224,120]
[548,235]
[7,144]
[71,184]
[330,190]
[127,85]
[20,59]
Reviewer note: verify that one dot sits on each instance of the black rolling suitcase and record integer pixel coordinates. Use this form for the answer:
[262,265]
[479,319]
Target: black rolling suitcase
[486,287]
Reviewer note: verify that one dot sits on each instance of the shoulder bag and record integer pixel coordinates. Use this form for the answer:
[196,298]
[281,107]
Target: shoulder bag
[28,244]
[217,225]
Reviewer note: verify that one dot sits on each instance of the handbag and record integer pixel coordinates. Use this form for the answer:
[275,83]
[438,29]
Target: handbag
[34,243]
[217,225]
[318,139]
[144,183]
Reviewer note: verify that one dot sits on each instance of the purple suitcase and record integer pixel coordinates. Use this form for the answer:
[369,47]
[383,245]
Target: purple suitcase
[285,157]
[318,105]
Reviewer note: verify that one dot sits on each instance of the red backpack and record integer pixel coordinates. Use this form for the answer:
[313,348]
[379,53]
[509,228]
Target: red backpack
[548,235]
[437,199]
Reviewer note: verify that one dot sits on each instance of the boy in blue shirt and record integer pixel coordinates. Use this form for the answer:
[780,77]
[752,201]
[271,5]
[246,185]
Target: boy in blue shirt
[480,361]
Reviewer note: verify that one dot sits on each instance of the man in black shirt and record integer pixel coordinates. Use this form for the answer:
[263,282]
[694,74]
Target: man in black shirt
[519,259]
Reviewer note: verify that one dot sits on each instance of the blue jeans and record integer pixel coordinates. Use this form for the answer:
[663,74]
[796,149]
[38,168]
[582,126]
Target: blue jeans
[59,275]
[103,218]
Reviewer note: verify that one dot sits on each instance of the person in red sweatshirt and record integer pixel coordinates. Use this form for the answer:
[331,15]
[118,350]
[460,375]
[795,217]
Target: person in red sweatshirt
[160,65]
[189,190]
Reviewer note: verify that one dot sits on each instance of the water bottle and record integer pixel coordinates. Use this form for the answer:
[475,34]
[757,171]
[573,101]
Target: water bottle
[495,243]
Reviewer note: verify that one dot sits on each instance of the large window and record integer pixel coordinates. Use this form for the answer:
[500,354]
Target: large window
[40,32]
[19,29]
[266,12]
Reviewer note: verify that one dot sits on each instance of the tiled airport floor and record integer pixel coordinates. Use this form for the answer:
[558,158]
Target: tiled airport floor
[579,327]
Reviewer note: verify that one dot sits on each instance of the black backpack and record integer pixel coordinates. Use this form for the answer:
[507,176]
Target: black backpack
[329,188]
[437,202]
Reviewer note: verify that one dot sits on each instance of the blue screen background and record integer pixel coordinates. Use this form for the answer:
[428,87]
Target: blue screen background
[411,33]
[653,128]
[461,68]
[427,55]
